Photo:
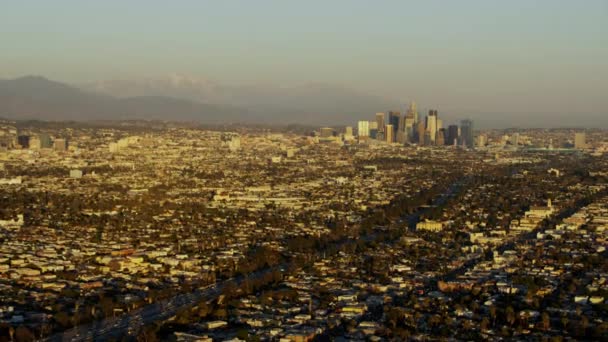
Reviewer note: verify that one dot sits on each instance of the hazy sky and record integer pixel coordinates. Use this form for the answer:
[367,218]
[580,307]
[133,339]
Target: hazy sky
[482,55]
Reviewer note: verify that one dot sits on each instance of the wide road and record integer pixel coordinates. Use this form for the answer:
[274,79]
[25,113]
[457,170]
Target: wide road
[117,327]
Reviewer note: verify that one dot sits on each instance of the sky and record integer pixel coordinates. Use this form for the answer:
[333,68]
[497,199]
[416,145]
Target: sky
[527,56]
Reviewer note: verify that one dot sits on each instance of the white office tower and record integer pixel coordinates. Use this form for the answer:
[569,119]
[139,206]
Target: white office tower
[580,141]
[431,125]
[515,139]
[363,128]
[234,144]
[348,133]
[482,140]
[389,134]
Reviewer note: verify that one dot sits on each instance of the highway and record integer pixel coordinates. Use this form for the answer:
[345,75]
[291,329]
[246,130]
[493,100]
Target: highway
[131,322]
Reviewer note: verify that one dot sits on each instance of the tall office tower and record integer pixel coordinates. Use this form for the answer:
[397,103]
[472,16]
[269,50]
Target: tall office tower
[327,132]
[411,118]
[380,125]
[389,134]
[580,141]
[439,124]
[401,135]
[373,129]
[363,128]
[431,125]
[441,137]
[420,133]
[514,139]
[393,120]
[452,138]
[413,111]
[45,140]
[482,140]
[35,143]
[466,133]
[348,131]
[60,145]
[24,141]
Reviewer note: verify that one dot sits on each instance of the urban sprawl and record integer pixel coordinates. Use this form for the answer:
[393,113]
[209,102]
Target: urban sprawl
[395,229]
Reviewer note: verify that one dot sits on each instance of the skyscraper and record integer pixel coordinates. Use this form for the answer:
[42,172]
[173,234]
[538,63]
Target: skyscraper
[60,145]
[514,139]
[45,141]
[466,133]
[580,140]
[327,132]
[421,132]
[482,140]
[431,125]
[393,120]
[440,137]
[452,138]
[389,134]
[348,131]
[380,122]
[411,117]
[24,141]
[373,129]
[363,128]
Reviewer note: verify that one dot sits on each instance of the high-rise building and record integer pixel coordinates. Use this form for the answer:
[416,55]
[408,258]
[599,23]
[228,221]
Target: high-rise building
[327,132]
[421,133]
[431,125]
[380,123]
[466,133]
[373,129]
[412,112]
[393,120]
[45,140]
[348,131]
[24,141]
[35,143]
[411,117]
[60,145]
[389,133]
[514,139]
[363,128]
[440,137]
[580,140]
[452,138]
[482,140]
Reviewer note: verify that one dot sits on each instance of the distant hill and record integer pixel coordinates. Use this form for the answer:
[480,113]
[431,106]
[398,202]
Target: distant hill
[317,104]
[35,97]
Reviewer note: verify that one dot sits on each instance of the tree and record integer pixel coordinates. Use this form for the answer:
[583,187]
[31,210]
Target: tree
[510,315]
[583,324]
[493,314]
[545,321]
[23,334]
[484,324]
[564,320]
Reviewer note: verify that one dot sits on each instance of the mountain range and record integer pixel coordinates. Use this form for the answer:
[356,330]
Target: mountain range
[179,98]
[187,99]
